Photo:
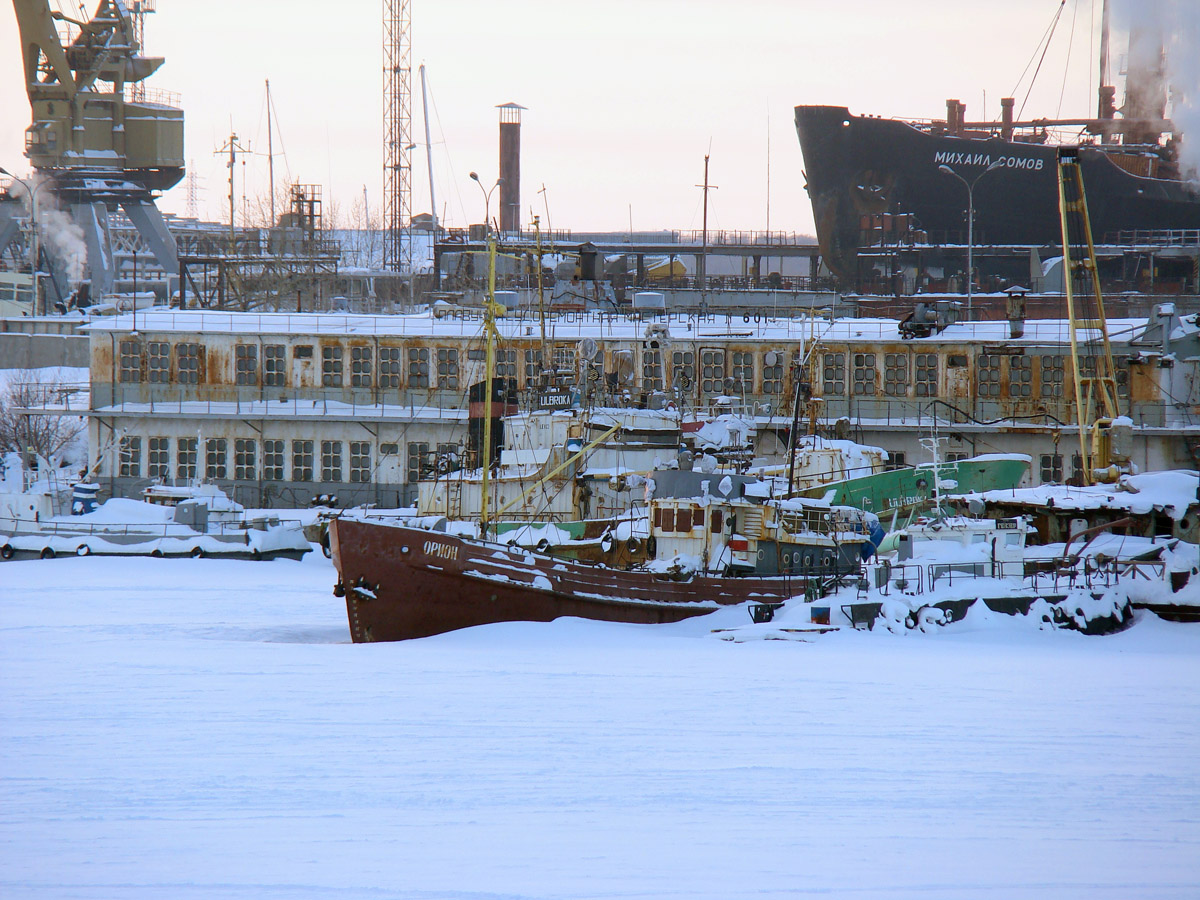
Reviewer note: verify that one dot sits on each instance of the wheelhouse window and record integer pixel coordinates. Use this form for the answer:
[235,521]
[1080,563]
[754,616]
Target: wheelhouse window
[216,453]
[331,366]
[244,453]
[130,457]
[130,361]
[360,462]
[159,459]
[865,375]
[331,461]
[302,460]
[185,459]
[273,366]
[158,362]
[246,364]
[187,362]
[389,367]
[360,367]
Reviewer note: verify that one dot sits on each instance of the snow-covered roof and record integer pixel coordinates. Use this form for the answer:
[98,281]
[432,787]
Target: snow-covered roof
[1171,492]
[289,409]
[467,323]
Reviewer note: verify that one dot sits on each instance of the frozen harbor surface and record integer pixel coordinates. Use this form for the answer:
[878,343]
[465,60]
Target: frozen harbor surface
[204,729]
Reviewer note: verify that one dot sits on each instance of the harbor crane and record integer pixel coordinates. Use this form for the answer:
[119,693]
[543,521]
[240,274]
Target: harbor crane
[1105,435]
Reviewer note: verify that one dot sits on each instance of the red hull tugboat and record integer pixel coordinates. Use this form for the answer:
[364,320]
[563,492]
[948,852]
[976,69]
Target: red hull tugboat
[402,582]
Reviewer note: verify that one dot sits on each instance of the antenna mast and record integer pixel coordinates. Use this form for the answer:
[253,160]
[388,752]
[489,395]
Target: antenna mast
[138,10]
[397,134]
[233,148]
[271,156]
[428,150]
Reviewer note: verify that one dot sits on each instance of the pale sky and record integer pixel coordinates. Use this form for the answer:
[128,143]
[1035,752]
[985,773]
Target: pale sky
[624,98]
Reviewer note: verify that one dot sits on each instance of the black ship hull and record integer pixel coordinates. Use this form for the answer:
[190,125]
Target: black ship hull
[875,180]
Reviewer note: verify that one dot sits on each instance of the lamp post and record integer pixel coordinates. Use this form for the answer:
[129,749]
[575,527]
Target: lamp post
[970,224]
[487,198]
[489,366]
[35,244]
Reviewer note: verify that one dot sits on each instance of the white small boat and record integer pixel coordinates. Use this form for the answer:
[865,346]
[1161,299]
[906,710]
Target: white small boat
[196,521]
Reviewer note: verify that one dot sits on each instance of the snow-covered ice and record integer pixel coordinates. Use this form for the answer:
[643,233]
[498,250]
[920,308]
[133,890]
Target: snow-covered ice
[204,729]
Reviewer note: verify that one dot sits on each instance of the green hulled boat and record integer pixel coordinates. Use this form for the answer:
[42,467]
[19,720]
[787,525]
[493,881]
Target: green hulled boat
[902,490]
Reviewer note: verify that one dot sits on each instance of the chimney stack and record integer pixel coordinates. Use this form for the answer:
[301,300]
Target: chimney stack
[510,167]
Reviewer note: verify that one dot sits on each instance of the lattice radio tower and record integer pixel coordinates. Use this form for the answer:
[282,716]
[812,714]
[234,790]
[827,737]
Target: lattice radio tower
[397,134]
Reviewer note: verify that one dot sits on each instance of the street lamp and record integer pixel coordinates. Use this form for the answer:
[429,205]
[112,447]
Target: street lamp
[487,198]
[34,243]
[970,223]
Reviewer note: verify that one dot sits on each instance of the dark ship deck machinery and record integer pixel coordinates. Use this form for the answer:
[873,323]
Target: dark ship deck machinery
[98,134]
[870,175]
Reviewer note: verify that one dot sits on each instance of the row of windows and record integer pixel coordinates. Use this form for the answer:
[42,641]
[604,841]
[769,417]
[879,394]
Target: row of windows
[154,365]
[425,367]
[718,371]
[991,373]
[269,459]
[187,463]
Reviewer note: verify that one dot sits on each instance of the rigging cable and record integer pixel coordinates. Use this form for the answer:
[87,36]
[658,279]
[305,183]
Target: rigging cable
[1044,45]
[1067,65]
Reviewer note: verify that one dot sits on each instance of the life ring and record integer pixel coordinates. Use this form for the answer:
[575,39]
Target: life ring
[6,552]
[83,550]
[48,553]
[671,407]
[197,553]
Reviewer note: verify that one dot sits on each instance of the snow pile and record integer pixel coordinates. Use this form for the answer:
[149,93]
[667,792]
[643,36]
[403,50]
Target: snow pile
[535,535]
[120,511]
[724,432]
[1170,492]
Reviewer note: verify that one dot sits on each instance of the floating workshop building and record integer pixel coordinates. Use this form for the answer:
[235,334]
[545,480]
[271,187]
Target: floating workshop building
[279,408]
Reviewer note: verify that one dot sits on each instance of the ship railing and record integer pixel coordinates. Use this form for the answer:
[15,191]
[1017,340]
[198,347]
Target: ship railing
[1164,237]
[749,238]
[139,93]
[146,530]
[906,578]
[468,319]
[1034,576]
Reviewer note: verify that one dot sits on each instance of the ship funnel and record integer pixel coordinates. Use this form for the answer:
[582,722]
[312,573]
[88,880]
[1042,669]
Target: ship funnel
[1015,307]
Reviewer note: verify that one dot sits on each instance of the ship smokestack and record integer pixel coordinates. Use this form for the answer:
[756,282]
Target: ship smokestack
[956,117]
[510,167]
[1015,304]
[1006,118]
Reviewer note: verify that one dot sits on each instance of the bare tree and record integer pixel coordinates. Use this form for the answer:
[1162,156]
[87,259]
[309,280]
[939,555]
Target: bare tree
[362,243]
[34,434]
